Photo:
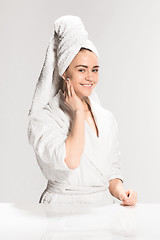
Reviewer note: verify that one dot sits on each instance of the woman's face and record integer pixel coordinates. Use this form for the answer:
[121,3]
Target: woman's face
[83,70]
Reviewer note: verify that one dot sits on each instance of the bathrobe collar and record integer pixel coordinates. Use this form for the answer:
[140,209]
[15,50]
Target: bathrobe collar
[64,115]
[57,103]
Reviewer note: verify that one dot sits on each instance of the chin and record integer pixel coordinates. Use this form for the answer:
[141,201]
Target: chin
[85,91]
[83,94]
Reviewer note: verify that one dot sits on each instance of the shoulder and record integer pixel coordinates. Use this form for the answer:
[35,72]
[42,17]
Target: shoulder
[110,115]
[106,113]
[42,116]
[107,117]
[51,112]
[43,120]
[38,122]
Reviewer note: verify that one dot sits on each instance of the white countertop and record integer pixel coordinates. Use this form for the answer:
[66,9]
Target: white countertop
[79,221]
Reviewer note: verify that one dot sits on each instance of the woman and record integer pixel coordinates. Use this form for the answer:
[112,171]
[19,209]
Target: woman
[73,136]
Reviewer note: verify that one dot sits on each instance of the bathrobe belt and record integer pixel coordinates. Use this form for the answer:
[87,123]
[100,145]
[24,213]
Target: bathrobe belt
[61,188]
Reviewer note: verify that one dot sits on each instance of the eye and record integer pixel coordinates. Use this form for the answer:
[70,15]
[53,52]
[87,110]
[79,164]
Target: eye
[96,70]
[81,70]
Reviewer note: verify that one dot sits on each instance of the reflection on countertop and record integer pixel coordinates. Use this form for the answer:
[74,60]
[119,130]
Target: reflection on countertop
[79,221]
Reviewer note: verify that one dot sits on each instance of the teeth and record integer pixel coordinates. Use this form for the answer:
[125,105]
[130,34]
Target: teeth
[86,85]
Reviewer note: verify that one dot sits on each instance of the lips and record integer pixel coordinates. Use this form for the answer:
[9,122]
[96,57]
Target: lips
[86,84]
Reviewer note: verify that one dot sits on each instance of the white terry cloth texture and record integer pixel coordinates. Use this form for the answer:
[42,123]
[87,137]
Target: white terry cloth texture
[100,160]
[50,121]
[69,36]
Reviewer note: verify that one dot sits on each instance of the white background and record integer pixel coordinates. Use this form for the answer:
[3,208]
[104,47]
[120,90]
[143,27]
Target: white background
[126,34]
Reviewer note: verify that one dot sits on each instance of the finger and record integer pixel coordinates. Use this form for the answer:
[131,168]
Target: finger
[131,199]
[72,90]
[128,192]
[64,93]
[68,88]
[123,197]
[130,203]
[127,200]
[65,89]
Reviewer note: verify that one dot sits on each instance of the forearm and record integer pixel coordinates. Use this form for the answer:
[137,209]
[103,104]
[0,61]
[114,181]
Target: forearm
[75,141]
[116,187]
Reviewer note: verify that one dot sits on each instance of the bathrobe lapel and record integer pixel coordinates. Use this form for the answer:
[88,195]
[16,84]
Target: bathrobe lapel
[62,115]
[97,163]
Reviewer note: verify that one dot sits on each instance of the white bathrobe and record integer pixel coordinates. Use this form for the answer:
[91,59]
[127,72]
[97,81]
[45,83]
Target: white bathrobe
[99,163]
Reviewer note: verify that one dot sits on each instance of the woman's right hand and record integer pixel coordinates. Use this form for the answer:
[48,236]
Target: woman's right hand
[71,98]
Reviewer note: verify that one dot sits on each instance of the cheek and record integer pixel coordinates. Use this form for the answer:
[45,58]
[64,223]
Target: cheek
[76,78]
[96,78]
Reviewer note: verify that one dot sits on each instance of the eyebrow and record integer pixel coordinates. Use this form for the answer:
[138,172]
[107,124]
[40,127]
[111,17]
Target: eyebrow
[86,66]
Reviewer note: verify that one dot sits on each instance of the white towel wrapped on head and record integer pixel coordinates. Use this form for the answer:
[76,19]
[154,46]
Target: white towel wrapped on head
[69,36]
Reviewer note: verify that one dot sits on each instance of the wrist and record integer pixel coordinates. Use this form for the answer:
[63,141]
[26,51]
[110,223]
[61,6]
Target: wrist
[79,112]
[116,188]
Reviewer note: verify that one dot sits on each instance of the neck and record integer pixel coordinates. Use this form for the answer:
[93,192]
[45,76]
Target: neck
[86,106]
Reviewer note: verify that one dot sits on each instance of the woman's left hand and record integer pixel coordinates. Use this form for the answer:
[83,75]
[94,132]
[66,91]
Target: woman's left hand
[128,197]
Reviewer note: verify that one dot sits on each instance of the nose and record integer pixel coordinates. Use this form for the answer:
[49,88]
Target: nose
[89,76]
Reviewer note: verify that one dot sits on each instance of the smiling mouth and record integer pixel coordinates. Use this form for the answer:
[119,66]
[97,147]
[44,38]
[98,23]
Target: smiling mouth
[87,85]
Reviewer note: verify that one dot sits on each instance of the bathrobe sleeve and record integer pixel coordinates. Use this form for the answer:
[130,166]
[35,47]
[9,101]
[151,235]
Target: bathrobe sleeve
[48,140]
[115,156]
